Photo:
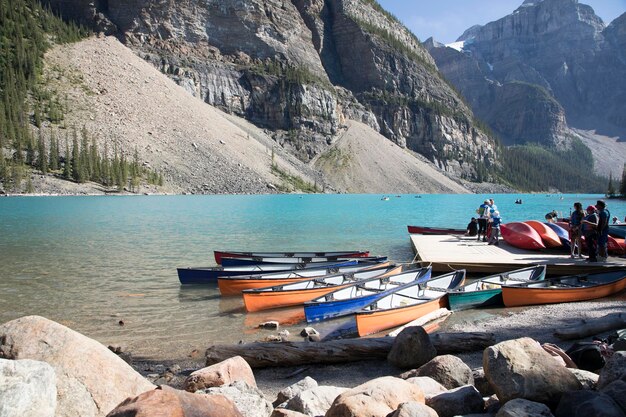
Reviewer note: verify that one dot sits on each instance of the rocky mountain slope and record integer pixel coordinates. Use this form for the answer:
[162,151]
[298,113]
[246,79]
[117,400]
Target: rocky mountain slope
[123,100]
[549,64]
[302,69]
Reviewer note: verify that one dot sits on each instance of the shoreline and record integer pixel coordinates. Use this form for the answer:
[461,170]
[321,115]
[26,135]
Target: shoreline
[536,322]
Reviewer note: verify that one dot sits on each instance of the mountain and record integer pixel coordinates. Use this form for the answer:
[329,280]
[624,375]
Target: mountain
[304,70]
[549,66]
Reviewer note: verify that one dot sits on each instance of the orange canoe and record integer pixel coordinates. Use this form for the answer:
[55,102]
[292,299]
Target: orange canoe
[297,293]
[565,289]
[407,303]
[369,322]
[548,236]
[230,286]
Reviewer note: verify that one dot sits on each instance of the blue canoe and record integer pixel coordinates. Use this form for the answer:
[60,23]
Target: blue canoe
[226,261]
[617,230]
[350,299]
[561,233]
[208,275]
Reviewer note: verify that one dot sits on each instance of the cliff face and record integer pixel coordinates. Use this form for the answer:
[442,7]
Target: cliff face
[569,65]
[301,68]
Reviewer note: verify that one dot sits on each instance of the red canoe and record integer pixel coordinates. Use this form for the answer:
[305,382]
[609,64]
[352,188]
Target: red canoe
[521,236]
[423,230]
[548,236]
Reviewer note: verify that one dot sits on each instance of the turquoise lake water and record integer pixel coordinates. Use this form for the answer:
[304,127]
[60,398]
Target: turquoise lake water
[89,262]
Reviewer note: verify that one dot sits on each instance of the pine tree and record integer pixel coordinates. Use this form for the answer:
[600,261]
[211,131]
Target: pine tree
[67,166]
[622,188]
[54,152]
[94,161]
[85,160]
[106,167]
[77,173]
[610,188]
[123,172]
[30,151]
[42,158]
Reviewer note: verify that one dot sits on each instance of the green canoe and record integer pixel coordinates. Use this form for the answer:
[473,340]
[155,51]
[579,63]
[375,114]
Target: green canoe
[488,291]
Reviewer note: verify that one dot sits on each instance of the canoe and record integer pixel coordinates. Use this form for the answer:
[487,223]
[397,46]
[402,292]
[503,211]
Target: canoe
[521,236]
[229,286]
[565,289]
[423,230]
[548,236]
[356,296]
[208,275]
[227,261]
[562,233]
[617,230]
[407,303]
[343,254]
[615,246]
[488,291]
[298,292]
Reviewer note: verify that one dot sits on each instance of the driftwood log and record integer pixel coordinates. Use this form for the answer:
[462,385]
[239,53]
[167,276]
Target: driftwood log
[267,354]
[590,327]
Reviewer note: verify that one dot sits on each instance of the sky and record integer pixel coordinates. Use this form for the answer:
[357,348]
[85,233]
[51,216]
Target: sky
[446,20]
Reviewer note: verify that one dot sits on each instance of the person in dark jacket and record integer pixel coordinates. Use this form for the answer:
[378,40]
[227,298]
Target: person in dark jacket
[472,227]
[603,230]
[590,232]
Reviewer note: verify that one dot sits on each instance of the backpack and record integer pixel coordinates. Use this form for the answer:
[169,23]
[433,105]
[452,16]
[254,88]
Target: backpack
[587,355]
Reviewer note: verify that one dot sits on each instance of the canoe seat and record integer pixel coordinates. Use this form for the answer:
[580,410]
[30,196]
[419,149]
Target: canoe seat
[489,286]
[435,289]
[363,287]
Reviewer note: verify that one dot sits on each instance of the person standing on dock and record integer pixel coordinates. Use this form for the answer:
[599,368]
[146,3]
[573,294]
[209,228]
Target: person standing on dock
[574,228]
[483,215]
[603,230]
[590,232]
[495,221]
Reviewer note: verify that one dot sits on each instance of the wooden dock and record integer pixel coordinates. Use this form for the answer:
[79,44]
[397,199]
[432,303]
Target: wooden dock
[448,252]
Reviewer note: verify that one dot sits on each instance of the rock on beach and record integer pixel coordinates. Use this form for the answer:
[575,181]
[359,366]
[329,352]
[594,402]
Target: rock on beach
[91,380]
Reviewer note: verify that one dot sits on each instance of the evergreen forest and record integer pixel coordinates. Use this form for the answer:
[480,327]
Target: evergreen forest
[27,30]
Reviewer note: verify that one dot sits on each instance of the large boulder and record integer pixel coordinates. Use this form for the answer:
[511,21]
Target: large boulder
[428,385]
[458,401]
[294,389]
[27,389]
[91,379]
[412,348]
[169,402]
[614,369]
[588,379]
[376,398]
[222,373]
[448,370]
[413,409]
[586,404]
[520,407]
[314,401]
[250,401]
[617,391]
[520,368]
